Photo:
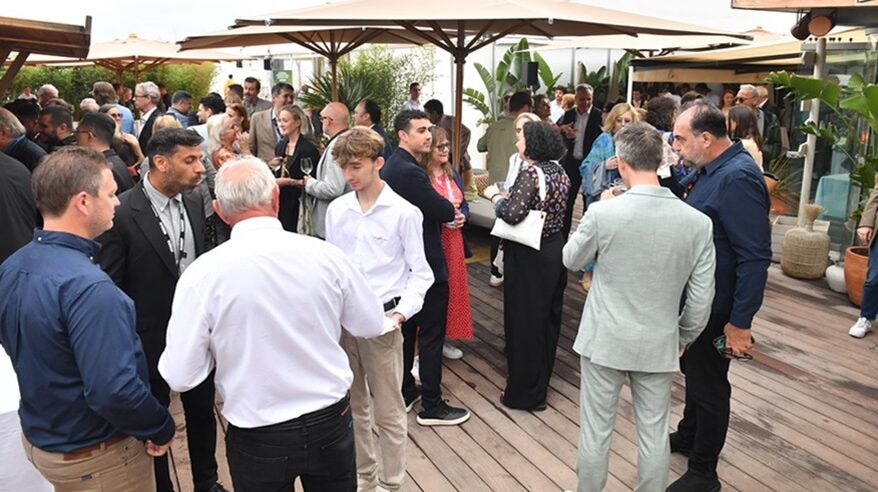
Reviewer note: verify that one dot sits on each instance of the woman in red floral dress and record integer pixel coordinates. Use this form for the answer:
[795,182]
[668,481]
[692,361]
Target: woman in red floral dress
[447,183]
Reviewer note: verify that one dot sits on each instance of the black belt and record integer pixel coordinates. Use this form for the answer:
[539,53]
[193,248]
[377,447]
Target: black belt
[391,304]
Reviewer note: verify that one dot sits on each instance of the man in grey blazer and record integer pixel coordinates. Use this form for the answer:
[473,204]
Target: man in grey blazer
[652,250]
[264,130]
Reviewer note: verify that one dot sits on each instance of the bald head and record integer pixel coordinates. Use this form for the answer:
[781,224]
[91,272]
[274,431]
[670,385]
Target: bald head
[336,118]
[245,188]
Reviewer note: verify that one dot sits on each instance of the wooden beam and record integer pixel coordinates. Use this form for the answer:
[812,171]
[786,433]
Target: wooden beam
[12,71]
[706,75]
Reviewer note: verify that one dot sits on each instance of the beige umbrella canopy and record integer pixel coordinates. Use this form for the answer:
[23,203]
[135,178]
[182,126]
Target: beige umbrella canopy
[134,54]
[647,44]
[25,36]
[331,42]
[463,26]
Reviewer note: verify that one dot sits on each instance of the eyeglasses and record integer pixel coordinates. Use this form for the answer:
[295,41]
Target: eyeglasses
[117,116]
[742,99]
[140,95]
[443,147]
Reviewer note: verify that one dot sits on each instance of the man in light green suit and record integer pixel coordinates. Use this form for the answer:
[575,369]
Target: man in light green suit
[652,251]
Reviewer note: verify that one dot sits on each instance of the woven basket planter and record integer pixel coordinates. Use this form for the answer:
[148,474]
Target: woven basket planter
[805,251]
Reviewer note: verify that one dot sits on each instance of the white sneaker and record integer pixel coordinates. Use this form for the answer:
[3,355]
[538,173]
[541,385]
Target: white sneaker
[495,281]
[451,352]
[860,328]
[416,372]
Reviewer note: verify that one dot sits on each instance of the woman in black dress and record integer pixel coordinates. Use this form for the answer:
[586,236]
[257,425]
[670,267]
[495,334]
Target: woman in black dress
[534,283]
[298,143]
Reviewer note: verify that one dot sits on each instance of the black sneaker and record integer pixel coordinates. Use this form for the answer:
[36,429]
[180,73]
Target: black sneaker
[410,401]
[693,482]
[678,445]
[443,414]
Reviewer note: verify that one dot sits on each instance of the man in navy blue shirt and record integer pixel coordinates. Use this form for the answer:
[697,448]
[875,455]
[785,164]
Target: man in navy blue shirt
[85,409]
[730,189]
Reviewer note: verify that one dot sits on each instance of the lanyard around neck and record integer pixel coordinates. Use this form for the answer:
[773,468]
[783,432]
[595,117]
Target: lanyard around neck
[179,253]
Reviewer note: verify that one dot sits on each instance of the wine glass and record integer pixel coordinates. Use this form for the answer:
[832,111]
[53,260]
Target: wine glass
[306,165]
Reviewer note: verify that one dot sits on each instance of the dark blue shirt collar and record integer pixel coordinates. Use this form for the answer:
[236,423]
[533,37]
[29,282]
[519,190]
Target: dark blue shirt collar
[15,141]
[86,246]
[712,166]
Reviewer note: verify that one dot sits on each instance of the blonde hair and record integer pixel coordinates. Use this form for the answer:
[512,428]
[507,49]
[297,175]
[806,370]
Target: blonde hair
[216,125]
[568,101]
[166,121]
[525,116]
[617,111]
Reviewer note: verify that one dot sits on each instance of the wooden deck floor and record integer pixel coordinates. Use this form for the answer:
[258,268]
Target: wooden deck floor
[804,411]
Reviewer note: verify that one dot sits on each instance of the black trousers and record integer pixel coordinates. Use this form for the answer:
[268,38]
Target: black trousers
[572,193]
[200,434]
[708,392]
[495,248]
[428,329]
[317,446]
[533,290]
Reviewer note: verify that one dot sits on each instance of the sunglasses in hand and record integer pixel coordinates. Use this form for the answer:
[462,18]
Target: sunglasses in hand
[720,344]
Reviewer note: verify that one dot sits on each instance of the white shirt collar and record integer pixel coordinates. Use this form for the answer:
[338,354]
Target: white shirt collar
[254,224]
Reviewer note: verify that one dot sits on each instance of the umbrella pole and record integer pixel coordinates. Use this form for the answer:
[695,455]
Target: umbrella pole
[807,170]
[333,67]
[459,62]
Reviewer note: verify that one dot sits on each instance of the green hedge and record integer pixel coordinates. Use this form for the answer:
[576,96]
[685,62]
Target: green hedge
[75,83]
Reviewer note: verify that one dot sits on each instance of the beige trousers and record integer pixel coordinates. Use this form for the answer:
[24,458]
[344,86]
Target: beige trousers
[123,466]
[377,366]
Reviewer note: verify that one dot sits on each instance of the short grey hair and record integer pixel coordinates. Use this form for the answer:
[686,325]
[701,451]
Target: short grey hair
[640,146]
[89,105]
[9,124]
[750,89]
[584,87]
[48,89]
[150,90]
[248,188]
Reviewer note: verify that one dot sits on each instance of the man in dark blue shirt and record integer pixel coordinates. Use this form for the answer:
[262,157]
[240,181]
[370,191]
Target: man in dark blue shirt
[730,189]
[85,400]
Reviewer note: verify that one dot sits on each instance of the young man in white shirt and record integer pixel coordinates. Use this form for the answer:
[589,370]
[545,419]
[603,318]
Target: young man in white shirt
[383,235]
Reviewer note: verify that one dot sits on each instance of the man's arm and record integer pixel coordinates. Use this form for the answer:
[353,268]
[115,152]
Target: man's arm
[186,361]
[743,212]
[700,288]
[362,314]
[867,220]
[332,184]
[582,247]
[420,275]
[415,187]
[113,256]
[100,323]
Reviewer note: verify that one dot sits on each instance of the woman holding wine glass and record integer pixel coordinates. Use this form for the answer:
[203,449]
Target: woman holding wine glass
[295,154]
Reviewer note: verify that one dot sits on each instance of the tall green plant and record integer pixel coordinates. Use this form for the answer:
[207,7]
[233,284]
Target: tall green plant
[506,77]
[376,73]
[856,102]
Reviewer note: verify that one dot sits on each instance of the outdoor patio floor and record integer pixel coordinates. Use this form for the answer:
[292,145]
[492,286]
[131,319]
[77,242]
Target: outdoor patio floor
[804,411]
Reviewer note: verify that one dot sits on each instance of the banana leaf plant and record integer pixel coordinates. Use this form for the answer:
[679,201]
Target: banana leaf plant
[506,77]
[852,128]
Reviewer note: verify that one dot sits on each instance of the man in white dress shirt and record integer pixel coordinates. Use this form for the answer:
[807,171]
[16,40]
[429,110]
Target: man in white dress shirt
[382,234]
[266,310]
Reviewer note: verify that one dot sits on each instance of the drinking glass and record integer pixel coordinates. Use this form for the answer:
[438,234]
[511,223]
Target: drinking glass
[306,165]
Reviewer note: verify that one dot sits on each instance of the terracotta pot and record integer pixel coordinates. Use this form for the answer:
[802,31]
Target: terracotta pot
[856,262]
[771,182]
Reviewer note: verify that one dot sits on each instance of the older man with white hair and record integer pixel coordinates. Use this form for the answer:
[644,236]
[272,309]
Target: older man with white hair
[46,93]
[146,99]
[273,341]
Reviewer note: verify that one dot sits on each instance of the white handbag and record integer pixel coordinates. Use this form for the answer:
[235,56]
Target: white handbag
[529,231]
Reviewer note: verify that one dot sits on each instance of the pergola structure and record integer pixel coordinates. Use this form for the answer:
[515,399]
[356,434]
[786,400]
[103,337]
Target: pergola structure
[461,27]
[23,37]
[135,55]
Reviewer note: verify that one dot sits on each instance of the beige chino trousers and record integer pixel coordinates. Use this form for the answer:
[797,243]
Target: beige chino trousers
[377,367]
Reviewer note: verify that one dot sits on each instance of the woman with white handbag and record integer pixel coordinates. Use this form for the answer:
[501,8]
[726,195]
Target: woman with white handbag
[530,219]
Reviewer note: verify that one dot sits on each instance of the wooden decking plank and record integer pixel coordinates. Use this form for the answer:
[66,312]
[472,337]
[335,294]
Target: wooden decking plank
[423,473]
[456,470]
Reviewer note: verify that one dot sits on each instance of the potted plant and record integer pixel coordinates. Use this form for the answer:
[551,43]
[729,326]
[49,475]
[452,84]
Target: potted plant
[855,119]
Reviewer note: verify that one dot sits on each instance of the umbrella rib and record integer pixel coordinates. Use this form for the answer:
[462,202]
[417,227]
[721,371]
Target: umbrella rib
[490,39]
[475,39]
[438,30]
[308,45]
[359,41]
[425,35]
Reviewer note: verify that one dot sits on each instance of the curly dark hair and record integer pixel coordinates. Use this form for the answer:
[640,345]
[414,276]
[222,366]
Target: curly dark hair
[542,143]
[660,113]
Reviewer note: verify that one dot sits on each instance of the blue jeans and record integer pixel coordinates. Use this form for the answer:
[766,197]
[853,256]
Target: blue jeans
[318,447]
[869,304]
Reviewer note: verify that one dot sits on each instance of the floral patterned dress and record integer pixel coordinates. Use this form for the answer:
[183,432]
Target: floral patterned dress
[459,324]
